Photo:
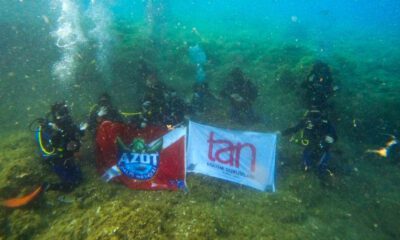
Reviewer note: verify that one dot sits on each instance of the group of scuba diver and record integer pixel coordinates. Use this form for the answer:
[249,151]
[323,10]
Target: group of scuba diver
[314,131]
[162,106]
[59,137]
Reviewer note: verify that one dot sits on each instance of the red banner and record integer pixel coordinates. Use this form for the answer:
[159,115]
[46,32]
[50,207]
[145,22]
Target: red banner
[141,158]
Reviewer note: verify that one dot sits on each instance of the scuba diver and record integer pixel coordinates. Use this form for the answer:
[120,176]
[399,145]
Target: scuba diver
[317,134]
[174,109]
[200,87]
[160,105]
[241,93]
[201,92]
[103,110]
[319,86]
[59,139]
[153,101]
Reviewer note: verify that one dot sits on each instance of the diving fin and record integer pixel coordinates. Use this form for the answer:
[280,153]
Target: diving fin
[21,201]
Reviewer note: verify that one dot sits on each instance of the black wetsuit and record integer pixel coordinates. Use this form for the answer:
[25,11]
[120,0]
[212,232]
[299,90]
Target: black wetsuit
[318,86]
[174,109]
[153,103]
[65,140]
[200,94]
[314,136]
[241,111]
[161,106]
[112,114]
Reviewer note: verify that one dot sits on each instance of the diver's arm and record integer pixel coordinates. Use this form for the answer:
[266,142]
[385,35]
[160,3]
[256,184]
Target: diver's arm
[329,138]
[252,94]
[332,132]
[117,116]
[55,136]
[92,120]
[294,129]
[74,141]
[227,89]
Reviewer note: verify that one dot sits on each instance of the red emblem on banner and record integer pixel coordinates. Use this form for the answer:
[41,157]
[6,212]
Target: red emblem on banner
[144,157]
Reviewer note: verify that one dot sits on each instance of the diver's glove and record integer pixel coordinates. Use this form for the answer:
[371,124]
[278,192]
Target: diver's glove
[83,126]
[335,88]
[326,142]
[328,139]
[146,105]
[237,97]
[102,111]
[52,125]
[143,124]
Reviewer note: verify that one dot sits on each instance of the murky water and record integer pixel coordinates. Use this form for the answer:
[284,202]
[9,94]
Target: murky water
[74,50]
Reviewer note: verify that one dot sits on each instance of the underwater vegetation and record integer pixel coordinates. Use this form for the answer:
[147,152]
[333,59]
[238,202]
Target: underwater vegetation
[361,200]
[351,205]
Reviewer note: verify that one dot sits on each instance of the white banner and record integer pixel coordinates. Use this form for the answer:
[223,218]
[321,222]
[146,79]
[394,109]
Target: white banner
[246,158]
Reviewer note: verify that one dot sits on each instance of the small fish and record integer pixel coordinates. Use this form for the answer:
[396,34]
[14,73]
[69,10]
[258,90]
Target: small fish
[21,201]
[383,152]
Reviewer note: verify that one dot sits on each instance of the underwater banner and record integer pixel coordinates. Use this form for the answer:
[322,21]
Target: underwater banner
[151,158]
[242,157]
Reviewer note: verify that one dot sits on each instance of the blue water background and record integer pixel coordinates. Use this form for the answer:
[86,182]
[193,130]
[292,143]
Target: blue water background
[366,31]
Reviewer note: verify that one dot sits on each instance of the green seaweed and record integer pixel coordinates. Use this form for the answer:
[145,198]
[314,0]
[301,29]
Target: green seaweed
[361,200]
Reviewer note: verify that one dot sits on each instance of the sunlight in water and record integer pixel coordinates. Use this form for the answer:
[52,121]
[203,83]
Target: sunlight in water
[68,36]
[101,17]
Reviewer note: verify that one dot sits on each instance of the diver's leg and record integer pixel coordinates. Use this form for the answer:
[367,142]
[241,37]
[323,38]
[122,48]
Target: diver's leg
[69,174]
[247,115]
[234,113]
[323,163]
[307,158]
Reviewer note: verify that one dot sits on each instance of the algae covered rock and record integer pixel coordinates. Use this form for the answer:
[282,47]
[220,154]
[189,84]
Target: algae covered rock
[195,221]
[24,224]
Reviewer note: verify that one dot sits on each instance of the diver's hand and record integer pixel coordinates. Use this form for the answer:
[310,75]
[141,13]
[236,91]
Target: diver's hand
[143,123]
[146,104]
[52,125]
[83,126]
[335,88]
[102,111]
[237,97]
[324,144]
[329,139]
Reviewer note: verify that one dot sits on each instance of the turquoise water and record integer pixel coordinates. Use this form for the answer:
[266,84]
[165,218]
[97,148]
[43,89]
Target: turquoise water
[74,50]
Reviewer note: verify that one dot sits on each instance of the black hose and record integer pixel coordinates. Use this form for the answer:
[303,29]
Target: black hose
[40,121]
